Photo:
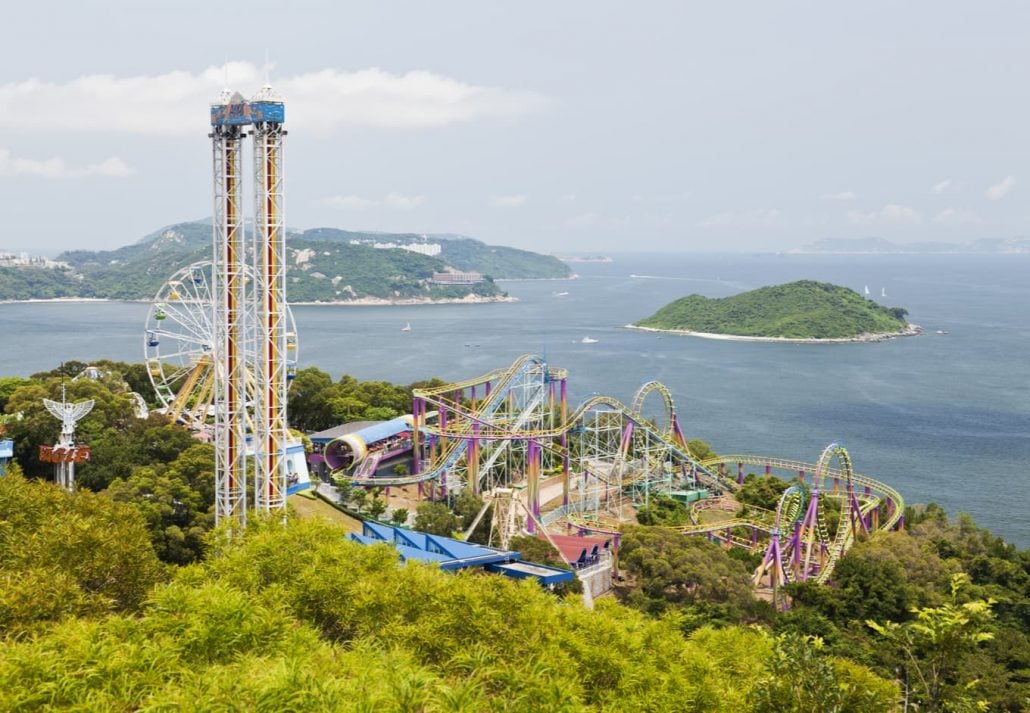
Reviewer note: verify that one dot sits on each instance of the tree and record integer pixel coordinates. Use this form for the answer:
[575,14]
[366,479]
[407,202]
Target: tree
[700,450]
[377,507]
[763,492]
[307,401]
[64,554]
[358,497]
[8,385]
[177,515]
[803,679]
[932,647]
[670,570]
[399,517]
[436,519]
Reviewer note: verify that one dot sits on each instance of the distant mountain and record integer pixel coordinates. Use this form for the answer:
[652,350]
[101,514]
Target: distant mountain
[325,265]
[460,252]
[882,245]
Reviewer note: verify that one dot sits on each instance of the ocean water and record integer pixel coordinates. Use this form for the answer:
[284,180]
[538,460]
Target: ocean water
[941,417]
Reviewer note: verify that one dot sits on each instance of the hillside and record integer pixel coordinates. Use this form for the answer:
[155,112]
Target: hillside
[798,310]
[326,265]
[460,252]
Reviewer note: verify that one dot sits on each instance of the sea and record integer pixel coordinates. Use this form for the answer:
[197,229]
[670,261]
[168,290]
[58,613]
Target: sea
[941,417]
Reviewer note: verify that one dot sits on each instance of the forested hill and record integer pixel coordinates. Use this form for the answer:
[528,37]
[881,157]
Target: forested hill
[460,252]
[797,310]
[325,264]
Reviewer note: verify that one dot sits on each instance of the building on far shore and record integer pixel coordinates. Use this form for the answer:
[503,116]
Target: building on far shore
[456,278]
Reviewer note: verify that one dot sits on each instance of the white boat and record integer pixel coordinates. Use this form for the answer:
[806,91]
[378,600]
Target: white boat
[560,294]
[941,331]
[867,289]
[588,340]
[883,292]
[406,327]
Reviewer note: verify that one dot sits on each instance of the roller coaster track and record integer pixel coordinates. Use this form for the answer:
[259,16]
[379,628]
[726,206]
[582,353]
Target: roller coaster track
[456,444]
[880,491]
[459,429]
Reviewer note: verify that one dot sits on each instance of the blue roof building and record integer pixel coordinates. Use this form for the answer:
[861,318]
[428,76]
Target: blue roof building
[450,554]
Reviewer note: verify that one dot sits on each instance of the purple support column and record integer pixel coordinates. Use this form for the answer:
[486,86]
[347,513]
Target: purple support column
[796,545]
[565,468]
[740,473]
[801,476]
[487,388]
[533,489]
[418,411]
[678,433]
[768,470]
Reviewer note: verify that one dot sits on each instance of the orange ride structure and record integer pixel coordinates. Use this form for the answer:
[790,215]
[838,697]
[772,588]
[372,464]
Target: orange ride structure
[511,433]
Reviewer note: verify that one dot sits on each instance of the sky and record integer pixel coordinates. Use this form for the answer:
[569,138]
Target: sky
[553,126]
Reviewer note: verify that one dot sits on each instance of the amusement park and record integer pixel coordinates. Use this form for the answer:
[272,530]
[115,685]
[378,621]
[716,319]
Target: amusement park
[654,357]
[221,350]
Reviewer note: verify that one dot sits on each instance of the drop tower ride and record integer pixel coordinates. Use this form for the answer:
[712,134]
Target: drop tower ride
[250,349]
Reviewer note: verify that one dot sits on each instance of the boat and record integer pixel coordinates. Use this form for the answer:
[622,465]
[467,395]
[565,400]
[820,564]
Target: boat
[883,292]
[560,294]
[941,331]
[867,289]
[406,327]
[587,340]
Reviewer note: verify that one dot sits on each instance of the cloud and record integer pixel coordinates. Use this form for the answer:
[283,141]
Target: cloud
[583,220]
[57,168]
[956,216]
[175,103]
[1000,190]
[392,201]
[514,201]
[398,201]
[892,213]
[942,186]
[748,219]
[842,196]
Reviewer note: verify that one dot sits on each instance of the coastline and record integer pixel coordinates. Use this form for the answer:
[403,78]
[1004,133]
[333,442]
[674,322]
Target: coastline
[383,302]
[360,302]
[911,331]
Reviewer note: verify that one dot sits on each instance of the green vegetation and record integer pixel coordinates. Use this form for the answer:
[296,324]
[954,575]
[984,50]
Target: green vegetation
[126,598]
[324,266]
[499,261]
[316,402]
[798,310]
[298,618]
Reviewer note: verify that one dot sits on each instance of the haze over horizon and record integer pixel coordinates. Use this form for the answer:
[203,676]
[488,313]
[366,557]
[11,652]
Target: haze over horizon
[572,127]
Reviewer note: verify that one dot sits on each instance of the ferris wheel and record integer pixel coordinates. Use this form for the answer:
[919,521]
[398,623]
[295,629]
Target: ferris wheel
[179,344]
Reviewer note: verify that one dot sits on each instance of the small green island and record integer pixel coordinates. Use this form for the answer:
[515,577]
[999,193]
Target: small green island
[806,310]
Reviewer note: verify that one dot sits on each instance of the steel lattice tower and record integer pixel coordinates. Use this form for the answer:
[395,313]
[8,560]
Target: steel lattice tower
[250,359]
[269,293]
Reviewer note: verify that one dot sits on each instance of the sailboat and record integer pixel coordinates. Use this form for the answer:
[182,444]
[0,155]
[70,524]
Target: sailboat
[867,289]
[883,292]
[406,327]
